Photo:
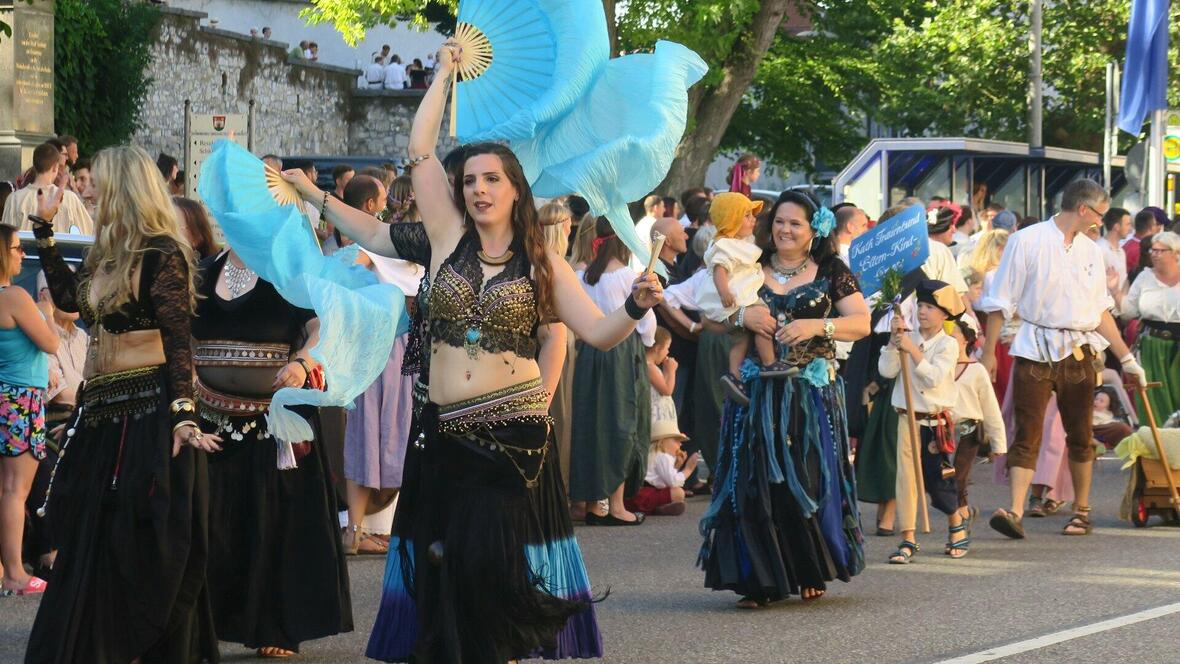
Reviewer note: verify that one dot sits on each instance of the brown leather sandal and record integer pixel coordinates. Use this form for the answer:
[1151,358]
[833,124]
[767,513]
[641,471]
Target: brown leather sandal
[1079,525]
[357,542]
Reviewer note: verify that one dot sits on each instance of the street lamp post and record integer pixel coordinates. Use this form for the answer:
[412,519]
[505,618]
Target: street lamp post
[1035,138]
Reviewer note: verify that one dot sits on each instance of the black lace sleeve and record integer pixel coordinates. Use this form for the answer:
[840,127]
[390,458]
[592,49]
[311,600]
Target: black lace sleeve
[841,281]
[169,296]
[411,243]
[63,283]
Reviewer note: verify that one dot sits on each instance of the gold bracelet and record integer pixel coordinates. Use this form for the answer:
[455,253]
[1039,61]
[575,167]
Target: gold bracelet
[186,423]
[45,242]
[182,406]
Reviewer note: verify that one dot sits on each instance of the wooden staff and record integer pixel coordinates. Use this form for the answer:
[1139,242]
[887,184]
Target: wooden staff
[1159,444]
[912,421]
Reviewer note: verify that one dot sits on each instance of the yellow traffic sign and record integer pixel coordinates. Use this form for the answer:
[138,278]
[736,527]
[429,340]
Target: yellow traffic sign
[1172,148]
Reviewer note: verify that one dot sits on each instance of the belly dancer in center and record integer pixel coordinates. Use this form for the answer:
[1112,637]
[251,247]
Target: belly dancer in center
[483,565]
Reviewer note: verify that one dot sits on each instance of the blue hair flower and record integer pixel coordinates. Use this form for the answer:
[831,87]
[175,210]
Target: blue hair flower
[817,372]
[823,221]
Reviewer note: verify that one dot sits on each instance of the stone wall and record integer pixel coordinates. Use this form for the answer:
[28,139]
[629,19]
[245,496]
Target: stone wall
[300,108]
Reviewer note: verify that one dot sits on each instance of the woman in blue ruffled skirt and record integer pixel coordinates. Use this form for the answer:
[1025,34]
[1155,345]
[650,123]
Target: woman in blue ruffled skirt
[784,517]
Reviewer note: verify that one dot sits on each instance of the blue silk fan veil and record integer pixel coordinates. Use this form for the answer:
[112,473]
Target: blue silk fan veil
[538,74]
[261,216]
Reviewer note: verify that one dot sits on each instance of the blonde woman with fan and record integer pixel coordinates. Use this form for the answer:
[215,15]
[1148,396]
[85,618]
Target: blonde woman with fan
[129,496]
[482,533]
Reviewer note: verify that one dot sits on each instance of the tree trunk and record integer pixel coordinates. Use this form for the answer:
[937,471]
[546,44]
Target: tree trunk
[710,111]
[612,28]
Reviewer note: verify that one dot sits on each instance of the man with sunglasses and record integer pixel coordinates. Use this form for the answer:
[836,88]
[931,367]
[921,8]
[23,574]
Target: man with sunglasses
[1053,277]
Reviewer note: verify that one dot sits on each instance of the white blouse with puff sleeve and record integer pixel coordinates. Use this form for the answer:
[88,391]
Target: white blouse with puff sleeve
[611,292]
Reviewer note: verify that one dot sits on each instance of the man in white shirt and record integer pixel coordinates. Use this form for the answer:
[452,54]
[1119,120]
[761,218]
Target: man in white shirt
[395,74]
[1116,225]
[71,217]
[1054,278]
[375,72]
[851,223]
[965,228]
[652,205]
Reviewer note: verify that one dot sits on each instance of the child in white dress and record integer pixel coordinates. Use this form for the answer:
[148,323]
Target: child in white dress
[733,263]
[661,371]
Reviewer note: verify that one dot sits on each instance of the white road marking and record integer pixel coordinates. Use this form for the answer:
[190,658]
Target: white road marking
[1019,647]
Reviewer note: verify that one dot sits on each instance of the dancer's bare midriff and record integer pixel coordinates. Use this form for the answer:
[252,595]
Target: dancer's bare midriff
[455,377]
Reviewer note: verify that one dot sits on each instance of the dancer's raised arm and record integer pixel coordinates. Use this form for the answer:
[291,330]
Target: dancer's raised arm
[361,227]
[441,215]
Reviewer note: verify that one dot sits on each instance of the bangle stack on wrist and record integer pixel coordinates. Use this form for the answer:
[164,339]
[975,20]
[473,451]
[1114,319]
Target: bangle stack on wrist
[184,413]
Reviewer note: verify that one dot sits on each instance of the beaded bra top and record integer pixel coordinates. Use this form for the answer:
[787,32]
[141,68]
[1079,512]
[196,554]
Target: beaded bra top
[495,317]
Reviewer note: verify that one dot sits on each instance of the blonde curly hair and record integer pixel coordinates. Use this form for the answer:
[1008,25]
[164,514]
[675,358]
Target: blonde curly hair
[134,207]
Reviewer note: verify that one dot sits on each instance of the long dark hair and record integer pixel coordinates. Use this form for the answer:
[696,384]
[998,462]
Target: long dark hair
[822,248]
[1144,258]
[197,223]
[609,247]
[526,227]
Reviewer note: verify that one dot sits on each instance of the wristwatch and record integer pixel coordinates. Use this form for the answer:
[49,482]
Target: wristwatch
[829,328]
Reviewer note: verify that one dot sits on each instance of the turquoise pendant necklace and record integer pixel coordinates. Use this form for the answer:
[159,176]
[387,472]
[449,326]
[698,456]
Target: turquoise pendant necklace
[471,340]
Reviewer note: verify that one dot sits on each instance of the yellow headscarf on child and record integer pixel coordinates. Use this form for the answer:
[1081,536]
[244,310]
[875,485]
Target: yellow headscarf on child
[728,210]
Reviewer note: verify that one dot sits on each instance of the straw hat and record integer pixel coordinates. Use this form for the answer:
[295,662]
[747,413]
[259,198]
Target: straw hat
[661,429]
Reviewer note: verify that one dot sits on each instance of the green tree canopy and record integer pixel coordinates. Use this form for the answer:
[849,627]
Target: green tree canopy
[951,68]
[102,49]
[918,67]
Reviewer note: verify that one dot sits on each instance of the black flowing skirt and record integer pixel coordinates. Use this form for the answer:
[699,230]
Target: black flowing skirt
[277,571]
[483,565]
[131,525]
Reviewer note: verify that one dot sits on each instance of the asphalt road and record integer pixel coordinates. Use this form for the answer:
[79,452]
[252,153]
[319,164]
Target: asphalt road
[933,610]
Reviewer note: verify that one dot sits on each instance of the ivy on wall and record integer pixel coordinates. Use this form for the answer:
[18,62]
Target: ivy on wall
[102,49]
